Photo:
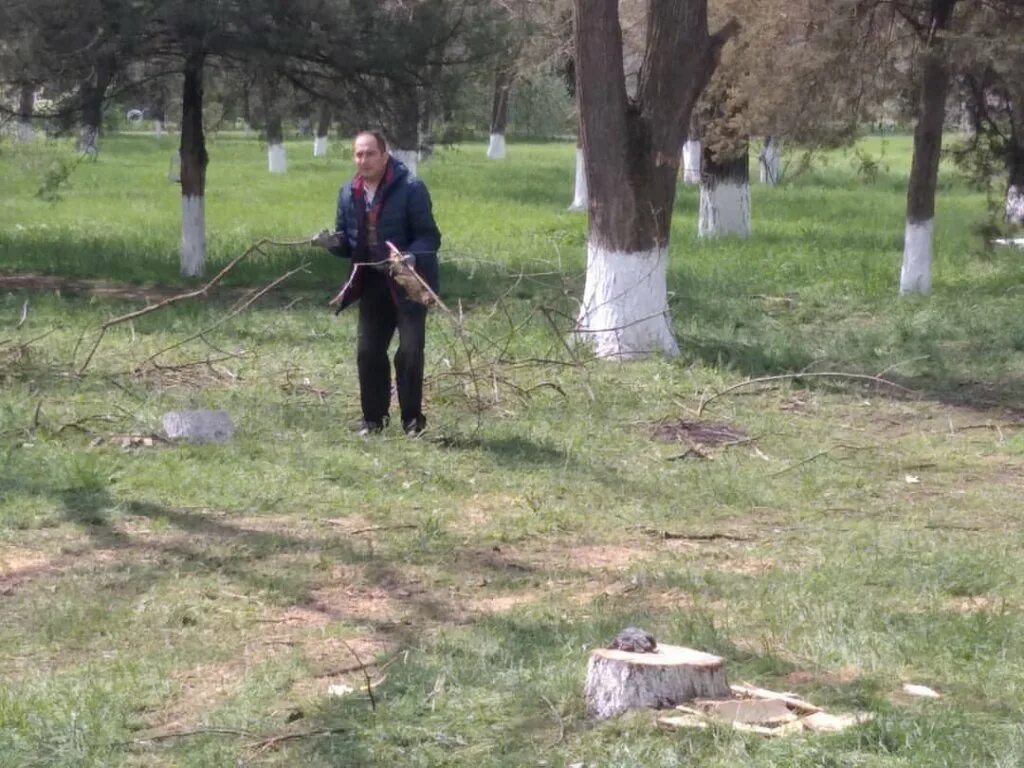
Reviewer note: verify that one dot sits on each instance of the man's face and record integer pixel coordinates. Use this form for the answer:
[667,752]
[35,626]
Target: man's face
[370,161]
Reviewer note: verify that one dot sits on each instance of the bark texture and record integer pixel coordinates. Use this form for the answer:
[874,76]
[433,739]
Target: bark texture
[618,681]
[26,105]
[193,168]
[499,114]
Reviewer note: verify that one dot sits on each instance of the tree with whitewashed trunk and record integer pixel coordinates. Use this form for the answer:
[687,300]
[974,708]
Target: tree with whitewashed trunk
[270,98]
[26,106]
[632,147]
[499,112]
[193,167]
[934,80]
[692,154]
[580,196]
[403,125]
[770,162]
[991,83]
[323,130]
[725,195]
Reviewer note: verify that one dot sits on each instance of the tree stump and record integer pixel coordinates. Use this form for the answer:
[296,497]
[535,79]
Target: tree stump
[618,681]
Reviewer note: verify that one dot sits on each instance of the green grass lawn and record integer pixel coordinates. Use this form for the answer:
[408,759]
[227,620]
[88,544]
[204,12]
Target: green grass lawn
[188,605]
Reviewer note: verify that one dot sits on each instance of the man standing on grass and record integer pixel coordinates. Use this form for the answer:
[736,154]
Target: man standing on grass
[384,203]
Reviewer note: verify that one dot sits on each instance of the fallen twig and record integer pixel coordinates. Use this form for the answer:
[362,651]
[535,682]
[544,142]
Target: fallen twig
[203,291]
[366,675]
[204,731]
[265,745]
[374,528]
[796,376]
[672,536]
[819,454]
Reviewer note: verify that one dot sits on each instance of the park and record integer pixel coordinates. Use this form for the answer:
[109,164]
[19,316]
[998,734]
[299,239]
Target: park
[813,474]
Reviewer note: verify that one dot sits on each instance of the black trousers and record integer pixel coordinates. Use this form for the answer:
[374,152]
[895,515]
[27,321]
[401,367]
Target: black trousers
[379,316]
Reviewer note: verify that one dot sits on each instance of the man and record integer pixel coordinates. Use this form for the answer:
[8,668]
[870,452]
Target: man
[384,203]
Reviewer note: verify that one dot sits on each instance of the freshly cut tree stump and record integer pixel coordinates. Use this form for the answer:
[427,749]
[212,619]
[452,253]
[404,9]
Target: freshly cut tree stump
[618,681]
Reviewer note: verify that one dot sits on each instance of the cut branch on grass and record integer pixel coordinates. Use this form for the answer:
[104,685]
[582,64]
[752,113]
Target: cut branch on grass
[202,291]
[796,377]
[820,454]
[233,313]
[366,675]
[676,536]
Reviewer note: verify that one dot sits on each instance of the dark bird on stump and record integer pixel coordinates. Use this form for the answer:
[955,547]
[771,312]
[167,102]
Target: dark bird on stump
[634,640]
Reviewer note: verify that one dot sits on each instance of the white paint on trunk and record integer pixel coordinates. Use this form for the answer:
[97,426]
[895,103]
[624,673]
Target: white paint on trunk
[916,274]
[770,162]
[724,209]
[320,146]
[496,149]
[193,235]
[580,197]
[158,127]
[276,158]
[26,134]
[247,130]
[691,161]
[625,312]
[410,157]
[1015,205]
[88,140]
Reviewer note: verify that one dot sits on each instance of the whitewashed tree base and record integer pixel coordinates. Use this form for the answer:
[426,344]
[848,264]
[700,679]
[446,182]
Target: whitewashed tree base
[496,147]
[691,162]
[88,141]
[581,196]
[410,157]
[770,163]
[625,314]
[916,274]
[618,681]
[193,235]
[158,128]
[1015,205]
[26,134]
[277,160]
[724,210]
[320,146]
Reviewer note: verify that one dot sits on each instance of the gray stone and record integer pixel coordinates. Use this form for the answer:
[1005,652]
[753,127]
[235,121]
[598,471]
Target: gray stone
[199,426]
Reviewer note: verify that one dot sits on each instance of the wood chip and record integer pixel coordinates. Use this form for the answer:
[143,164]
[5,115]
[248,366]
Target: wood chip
[923,691]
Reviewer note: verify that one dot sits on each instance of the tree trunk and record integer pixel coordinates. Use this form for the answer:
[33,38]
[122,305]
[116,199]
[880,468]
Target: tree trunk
[770,162]
[159,110]
[1015,157]
[632,150]
[405,131]
[580,199]
[725,196]
[323,130]
[247,109]
[692,155]
[499,114]
[277,160]
[1015,189]
[193,169]
[26,106]
[618,681]
[93,92]
[916,273]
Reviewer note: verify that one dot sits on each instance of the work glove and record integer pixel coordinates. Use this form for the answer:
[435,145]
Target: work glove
[325,239]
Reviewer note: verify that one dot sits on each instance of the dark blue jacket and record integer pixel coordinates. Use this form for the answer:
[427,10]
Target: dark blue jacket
[406,219]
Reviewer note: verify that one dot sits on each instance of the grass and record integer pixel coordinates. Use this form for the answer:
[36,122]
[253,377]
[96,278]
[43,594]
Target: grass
[180,590]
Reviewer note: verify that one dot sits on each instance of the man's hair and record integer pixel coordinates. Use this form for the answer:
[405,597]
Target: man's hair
[382,144]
